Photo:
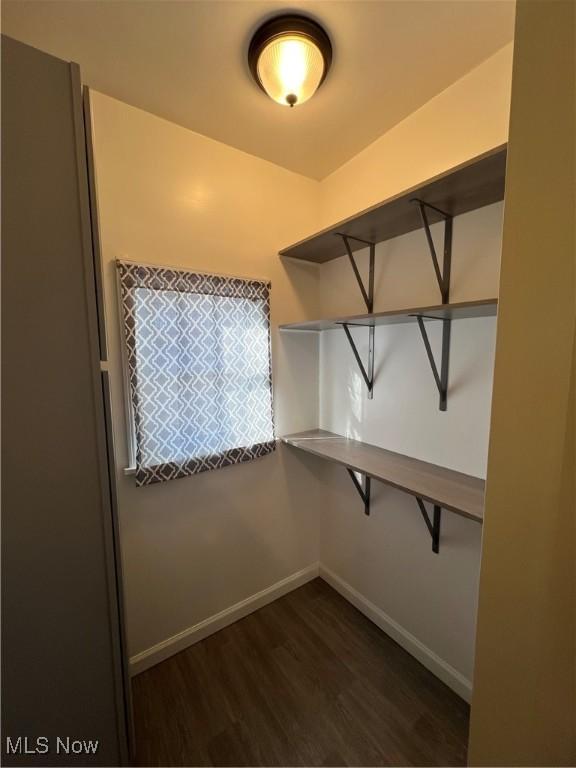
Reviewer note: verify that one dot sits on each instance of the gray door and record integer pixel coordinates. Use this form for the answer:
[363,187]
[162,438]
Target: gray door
[62,681]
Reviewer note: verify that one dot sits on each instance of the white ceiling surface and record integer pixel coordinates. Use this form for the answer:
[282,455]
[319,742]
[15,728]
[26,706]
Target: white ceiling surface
[185,60]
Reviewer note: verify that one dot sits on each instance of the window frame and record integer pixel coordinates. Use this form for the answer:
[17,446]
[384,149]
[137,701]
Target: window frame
[130,416]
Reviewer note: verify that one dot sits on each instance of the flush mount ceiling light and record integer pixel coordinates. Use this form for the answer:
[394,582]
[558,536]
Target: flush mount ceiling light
[289,57]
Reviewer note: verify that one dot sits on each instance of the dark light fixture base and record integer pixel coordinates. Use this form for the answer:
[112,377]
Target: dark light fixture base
[286,24]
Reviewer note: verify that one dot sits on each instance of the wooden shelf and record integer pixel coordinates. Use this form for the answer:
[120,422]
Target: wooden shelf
[451,490]
[469,186]
[466,187]
[465,309]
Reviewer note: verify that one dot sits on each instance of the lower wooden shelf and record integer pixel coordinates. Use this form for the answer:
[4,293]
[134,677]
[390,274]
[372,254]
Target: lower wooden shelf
[454,491]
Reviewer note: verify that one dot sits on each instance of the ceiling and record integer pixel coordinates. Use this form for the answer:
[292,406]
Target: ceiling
[185,60]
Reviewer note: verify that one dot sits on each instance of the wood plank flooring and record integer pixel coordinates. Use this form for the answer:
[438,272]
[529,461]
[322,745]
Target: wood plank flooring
[305,681]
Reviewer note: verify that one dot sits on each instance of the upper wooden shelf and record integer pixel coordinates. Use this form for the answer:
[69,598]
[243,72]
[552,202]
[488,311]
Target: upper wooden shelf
[465,309]
[472,185]
[451,490]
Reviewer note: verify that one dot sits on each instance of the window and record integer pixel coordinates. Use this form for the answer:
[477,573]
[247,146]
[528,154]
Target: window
[198,367]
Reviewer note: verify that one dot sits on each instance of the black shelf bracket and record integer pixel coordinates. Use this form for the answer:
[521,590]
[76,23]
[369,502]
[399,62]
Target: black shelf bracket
[367,374]
[442,275]
[363,491]
[441,378]
[443,278]
[432,525]
[367,295]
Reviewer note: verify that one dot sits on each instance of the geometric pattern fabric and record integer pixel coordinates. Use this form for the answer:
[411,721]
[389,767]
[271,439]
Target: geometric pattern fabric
[198,353]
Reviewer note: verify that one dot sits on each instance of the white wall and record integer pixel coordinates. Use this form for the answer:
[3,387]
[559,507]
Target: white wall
[196,546]
[384,562]
[404,275]
[387,557]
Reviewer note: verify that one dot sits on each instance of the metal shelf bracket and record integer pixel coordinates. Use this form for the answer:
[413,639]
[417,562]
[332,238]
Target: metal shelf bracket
[367,374]
[363,491]
[443,278]
[367,295]
[442,275]
[441,378]
[432,525]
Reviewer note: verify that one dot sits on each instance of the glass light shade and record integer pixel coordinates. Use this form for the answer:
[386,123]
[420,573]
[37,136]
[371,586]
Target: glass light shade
[290,69]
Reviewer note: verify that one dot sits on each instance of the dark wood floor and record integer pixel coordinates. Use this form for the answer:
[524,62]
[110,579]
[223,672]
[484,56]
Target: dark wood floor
[307,680]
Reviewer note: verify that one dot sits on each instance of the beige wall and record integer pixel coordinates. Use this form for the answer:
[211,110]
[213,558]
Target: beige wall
[467,119]
[196,546]
[523,710]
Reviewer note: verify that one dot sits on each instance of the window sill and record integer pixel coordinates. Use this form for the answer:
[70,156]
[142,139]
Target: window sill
[127,471]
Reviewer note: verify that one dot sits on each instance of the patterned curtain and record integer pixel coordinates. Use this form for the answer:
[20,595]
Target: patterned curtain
[198,352]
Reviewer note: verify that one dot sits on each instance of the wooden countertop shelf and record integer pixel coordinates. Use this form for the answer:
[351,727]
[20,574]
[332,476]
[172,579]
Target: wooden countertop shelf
[465,309]
[466,187]
[454,491]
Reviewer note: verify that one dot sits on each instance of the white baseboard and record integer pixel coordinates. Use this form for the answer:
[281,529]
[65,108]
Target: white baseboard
[453,679]
[163,650]
[194,634]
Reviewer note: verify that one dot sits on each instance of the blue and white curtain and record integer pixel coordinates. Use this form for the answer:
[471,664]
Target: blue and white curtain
[199,369]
